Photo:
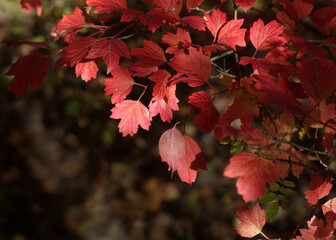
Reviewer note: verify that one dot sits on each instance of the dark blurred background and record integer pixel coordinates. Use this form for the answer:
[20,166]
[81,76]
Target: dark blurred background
[66,173]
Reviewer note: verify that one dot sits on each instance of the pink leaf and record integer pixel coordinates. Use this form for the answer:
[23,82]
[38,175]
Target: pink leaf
[164,106]
[132,114]
[181,153]
[251,223]
[87,70]
[172,148]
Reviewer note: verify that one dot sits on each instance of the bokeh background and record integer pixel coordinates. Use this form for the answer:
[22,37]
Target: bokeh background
[67,174]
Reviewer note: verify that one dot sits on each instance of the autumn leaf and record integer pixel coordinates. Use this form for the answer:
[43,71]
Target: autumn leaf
[321,188]
[165,4]
[208,117]
[151,55]
[245,4]
[181,153]
[109,51]
[75,52]
[153,19]
[266,37]
[317,77]
[28,5]
[316,230]
[195,65]
[172,148]
[195,22]
[28,70]
[253,172]
[107,6]
[176,41]
[215,21]
[231,34]
[87,70]
[132,114]
[73,22]
[120,85]
[165,105]
[250,223]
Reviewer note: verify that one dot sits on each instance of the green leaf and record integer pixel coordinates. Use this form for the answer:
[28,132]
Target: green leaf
[287,191]
[274,187]
[268,197]
[283,202]
[272,211]
[289,184]
[236,147]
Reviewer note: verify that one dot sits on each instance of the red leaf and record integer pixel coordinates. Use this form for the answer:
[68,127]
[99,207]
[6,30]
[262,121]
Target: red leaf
[161,78]
[266,37]
[107,6]
[243,107]
[28,5]
[151,55]
[317,77]
[208,117]
[215,22]
[273,63]
[304,47]
[74,21]
[143,71]
[322,19]
[165,4]
[110,51]
[193,3]
[298,8]
[120,85]
[253,172]
[164,106]
[231,34]
[181,153]
[154,19]
[317,230]
[195,22]
[274,95]
[187,170]
[251,223]
[75,52]
[86,70]
[175,41]
[321,188]
[245,4]
[195,65]
[30,69]
[132,114]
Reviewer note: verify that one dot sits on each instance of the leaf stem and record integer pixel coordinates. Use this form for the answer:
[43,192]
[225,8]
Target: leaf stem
[263,234]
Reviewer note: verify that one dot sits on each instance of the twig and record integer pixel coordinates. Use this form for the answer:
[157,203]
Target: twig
[221,55]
